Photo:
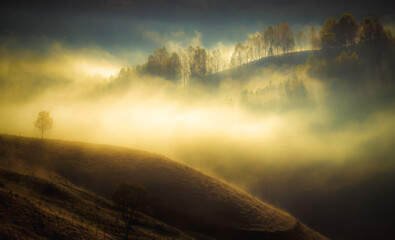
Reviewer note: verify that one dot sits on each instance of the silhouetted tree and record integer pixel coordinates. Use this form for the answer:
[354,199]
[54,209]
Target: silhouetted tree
[238,54]
[173,67]
[286,40]
[255,42]
[313,39]
[156,64]
[339,33]
[277,38]
[43,122]
[199,63]
[379,34]
[129,198]
[268,36]
[367,30]
[327,34]
[162,63]
[346,30]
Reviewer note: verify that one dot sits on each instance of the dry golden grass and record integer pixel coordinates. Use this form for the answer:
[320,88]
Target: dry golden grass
[35,208]
[179,195]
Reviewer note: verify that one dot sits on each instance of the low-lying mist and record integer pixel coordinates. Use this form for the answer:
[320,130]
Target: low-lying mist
[278,124]
[294,135]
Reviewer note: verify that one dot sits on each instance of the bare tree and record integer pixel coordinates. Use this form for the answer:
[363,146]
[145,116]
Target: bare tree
[268,37]
[314,40]
[43,122]
[129,198]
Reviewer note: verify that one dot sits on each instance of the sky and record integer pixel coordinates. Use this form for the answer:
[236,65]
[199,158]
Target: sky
[130,30]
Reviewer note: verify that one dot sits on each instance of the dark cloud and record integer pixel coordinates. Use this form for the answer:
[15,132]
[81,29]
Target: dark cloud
[119,25]
[181,8]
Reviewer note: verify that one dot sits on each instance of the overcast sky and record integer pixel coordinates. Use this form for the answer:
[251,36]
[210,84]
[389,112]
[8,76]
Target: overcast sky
[130,29]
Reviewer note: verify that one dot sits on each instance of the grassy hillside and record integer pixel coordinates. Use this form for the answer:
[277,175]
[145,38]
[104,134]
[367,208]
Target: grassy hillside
[67,176]
[38,208]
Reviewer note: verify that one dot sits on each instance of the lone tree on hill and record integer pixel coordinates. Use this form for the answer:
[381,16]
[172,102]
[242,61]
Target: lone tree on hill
[43,122]
[129,198]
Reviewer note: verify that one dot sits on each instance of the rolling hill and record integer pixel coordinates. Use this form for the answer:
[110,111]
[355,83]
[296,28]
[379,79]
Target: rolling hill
[43,181]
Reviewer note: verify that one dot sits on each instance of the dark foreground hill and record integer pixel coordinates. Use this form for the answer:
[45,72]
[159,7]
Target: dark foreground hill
[59,190]
[39,208]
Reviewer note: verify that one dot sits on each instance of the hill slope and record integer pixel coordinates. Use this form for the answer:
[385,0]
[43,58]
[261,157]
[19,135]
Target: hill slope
[36,208]
[242,73]
[179,195]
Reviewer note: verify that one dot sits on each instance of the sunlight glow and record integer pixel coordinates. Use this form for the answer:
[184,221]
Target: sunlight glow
[92,69]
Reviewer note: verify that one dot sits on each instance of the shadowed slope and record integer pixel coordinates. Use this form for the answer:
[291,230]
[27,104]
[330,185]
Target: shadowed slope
[39,208]
[180,196]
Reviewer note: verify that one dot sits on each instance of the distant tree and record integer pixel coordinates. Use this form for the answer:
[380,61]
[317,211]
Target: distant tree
[156,64]
[173,67]
[346,30]
[129,198]
[380,36]
[248,53]
[367,30]
[161,54]
[268,37]
[216,60]
[286,39]
[238,55]
[301,40]
[255,42]
[378,30]
[277,38]
[44,122]
[190,53]
[339,33]
[164,64]
[327,34]
[313,39]
[199,63]
[185,66]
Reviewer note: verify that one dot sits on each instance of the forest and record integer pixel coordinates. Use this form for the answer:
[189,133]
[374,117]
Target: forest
[197,61]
